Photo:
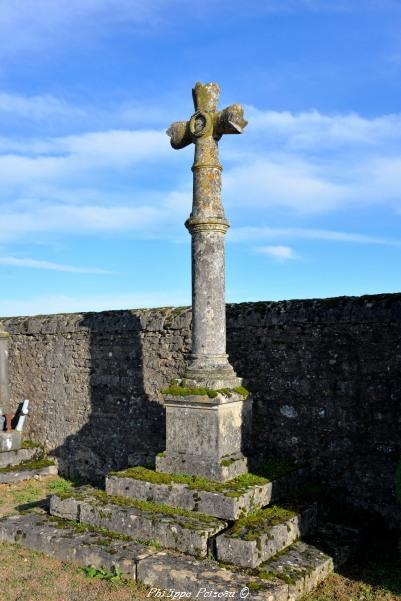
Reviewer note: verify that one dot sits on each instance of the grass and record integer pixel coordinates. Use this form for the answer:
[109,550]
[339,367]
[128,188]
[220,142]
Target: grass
[14,497]
[30,576]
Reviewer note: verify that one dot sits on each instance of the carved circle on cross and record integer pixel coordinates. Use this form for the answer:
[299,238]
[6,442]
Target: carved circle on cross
[201,124]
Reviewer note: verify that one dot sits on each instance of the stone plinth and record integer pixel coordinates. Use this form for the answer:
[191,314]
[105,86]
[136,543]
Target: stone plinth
[10,441]
[206,436]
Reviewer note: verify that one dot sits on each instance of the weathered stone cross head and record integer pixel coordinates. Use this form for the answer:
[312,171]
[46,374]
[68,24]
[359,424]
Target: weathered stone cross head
[207,121]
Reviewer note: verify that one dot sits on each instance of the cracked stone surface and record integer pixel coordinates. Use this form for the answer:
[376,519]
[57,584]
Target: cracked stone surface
[303,567]
[167,571]
[183,532]
[18,475]
[251,545]
[40,533]
[10,458]
[228,505]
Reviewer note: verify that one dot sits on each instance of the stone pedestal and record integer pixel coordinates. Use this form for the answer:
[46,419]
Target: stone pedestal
[206,437]
[10,441]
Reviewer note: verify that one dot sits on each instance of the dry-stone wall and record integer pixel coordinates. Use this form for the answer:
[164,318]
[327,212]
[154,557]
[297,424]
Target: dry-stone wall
[326,378]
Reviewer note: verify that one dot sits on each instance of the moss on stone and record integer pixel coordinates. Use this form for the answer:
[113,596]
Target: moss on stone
[29,444]
[252,526]
[177,390]
[63,524]
[28,466]
[101,497]
[271,469]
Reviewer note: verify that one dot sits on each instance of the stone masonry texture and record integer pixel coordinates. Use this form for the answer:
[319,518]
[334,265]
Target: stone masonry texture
[325,377]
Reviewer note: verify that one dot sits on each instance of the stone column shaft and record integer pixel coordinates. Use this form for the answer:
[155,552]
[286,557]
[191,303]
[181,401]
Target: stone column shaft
[208,313]
[209,365]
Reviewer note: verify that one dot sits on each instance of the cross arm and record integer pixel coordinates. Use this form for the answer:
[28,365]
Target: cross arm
[179,133]
[230,120]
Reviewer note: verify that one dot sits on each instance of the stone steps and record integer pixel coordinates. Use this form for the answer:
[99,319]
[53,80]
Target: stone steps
[188,532]
[11,458]
[200,579]
[227,501]
[255,538]
[304,565]
[65,542]
[286,577]
[27,470]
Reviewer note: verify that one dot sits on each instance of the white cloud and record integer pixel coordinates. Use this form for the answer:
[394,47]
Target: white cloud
[90,182]
[290,182]
[36,107]
[315,163]
[279,253]
[62,157]
[311,129]
[250,234]
[48,265]
[29,220]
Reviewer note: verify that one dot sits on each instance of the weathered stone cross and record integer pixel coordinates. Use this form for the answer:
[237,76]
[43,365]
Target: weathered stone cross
[207,431]
[207,224]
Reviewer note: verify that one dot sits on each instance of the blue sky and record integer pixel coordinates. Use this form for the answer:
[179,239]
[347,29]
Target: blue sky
[93,199]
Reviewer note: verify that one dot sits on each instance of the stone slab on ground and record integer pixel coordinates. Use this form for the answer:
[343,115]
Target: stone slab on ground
[64,542]
[229,501]
[11,458]
[10,441]
[19,473]
[256,538]
[304,565]
[200,579]
[189,532]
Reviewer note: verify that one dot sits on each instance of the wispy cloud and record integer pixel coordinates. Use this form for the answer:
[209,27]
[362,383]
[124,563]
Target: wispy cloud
[37,107]
[30,219]
[278,253]
[254,233]
[37,24]
[315,163]
[305,163]
[48,265]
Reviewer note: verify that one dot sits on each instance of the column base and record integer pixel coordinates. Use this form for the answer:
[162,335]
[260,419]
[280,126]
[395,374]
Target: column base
[212,372]
[184,463]
[206,437]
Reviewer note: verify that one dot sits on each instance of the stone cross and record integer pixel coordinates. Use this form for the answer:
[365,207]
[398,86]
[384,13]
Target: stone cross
[207,433]
[209,366]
